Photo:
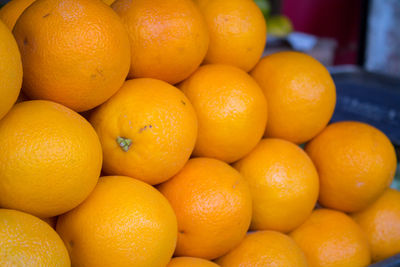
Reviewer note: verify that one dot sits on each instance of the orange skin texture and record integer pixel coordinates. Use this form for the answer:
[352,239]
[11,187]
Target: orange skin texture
[26,240]
[74,52]
[108,2]
[300,92]
[331,238]
[124,222]
[237,30]
[190,261]
[212,203]
[11,11]
[265,248]
[169,39]
[356,163]
[227,100]
[381,222]
[50,158]
[10,69]
[283,182]
[160,122]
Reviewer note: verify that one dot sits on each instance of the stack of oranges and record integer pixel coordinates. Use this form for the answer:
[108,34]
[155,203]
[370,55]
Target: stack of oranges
[152,133]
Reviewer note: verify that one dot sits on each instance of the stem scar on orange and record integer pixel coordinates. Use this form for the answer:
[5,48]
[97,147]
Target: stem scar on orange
[147,129]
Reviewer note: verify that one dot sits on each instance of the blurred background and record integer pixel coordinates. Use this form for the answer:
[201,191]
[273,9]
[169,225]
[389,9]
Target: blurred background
[358,40]
[337,32]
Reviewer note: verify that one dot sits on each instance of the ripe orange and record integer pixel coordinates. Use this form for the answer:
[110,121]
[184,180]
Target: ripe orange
[283,182]
[237,32]
[50,158]
[10,69]
[190,261]
[331,238]
[28,241]
[231,110]
[356,163]
[109,2]
[148,130]
[169,39]
[11,11]
[381,222]
[212,203]
[74,52]
[265,248]
[124,222]
[300,92]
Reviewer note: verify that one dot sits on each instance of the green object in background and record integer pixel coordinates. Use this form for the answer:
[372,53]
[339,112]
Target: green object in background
[265,7]
[396,181]
[279,25]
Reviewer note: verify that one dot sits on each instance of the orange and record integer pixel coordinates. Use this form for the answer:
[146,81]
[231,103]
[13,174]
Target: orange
[265,248]
[212,203]
[331,238]
[50,158]
[237,32]
[109,2]
[190,261]
[74,52]
[356,163]
[381,222]
[25,240]
[283,182]
[300,93]
[11,11]
[169,39]
[147,130]
[124,222]
[231,110]
[10,69]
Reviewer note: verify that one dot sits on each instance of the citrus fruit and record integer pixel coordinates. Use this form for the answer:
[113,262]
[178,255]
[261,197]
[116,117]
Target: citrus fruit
[331,238]
[10,69]
[381,222]
[265,248]
[148,130]
[237,32]
[74,52]
[231,110]
[265,7]
[356,163]
[300,92]
[283,183]
[124,222]
[169,39]
[50,158]
[109,2]
[25,240]
[11,11]
[212,203]
[190,261]
[279,26]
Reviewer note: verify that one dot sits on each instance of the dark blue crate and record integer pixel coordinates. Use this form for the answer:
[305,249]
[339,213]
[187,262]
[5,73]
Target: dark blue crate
[370,98]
